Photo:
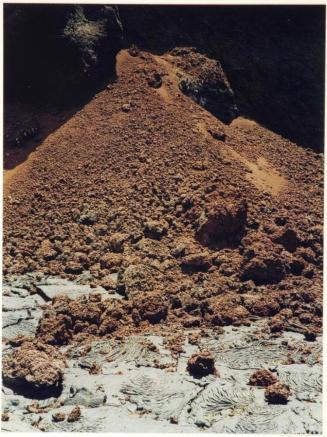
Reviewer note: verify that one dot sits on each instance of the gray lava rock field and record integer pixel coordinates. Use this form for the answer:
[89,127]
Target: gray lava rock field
[137,383]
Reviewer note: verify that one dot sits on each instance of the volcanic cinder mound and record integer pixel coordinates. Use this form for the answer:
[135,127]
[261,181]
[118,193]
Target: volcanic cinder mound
[203,223]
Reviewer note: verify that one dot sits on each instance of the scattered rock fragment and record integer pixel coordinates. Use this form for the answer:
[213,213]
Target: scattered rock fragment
[265,306]
[82,396]
[137,278]
[88,218]
[202,364]
[155,81]
[100,229]
[117,241]
[217,134]
[179,250]
[221,220]
[5,417]
[196,262]
[56,328]
[277,393]
[305,317]
[310,336]
[152,248]
[155,229]
[192,322]
[276,324]
[36,408]
[108,283]
[47,251]
[74,415]
[74,268]
[263,378]
[58,417]
[151,307]
[95,369]
[126,107]
[111,261]
[263,262]
[36,368]
[263,270]
[225,310]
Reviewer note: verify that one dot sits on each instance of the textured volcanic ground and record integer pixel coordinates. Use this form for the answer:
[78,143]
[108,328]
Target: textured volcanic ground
[205,224]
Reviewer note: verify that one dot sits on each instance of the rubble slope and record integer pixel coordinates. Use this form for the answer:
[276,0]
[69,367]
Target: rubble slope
[198,222]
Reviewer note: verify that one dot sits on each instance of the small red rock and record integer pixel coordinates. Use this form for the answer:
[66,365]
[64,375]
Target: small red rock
[202,364]
[74,415]
[5,417]
[263,378]
[277,393]
[58,417]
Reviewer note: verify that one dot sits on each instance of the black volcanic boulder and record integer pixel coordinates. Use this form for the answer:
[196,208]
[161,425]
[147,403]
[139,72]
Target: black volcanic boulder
[59,53]
[204,80]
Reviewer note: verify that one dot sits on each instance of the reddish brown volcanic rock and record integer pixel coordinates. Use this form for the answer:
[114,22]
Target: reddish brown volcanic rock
[34,366]
[263,378]
[74,415]
[277,393]
[202,364]
[221,220]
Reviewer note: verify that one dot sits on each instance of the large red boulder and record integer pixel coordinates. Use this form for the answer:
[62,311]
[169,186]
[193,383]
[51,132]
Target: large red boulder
[221,220]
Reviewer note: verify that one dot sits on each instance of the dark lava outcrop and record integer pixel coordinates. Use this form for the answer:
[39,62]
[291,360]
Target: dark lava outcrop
[270,59]
[206,83]
[273,57]
[59,53]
